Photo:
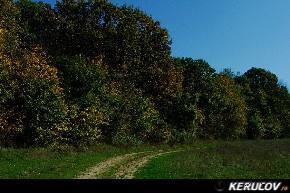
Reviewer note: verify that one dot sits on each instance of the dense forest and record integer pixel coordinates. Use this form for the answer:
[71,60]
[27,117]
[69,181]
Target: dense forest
[86,72]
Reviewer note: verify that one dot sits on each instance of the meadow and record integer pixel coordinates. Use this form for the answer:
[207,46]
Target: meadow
[267,159]
[264,159]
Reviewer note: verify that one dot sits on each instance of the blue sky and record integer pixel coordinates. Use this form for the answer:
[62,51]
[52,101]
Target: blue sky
[236,34]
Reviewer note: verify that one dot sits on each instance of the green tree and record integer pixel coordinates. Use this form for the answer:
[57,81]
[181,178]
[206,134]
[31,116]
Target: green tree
[225,110]
[267,106]
[36,22]
[184,110]
[130,42]
[31,96]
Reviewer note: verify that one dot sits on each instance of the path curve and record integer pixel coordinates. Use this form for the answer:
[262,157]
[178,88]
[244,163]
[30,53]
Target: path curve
[102,167]
[133,161]
[128,171]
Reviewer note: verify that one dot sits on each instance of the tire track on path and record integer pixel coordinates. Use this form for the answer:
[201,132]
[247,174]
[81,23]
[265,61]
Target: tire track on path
[128,171]
[102,167]
[132,162]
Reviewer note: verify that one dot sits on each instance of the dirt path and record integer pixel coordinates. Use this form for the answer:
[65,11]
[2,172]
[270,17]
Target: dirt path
[102,167]
[130,163]
[128,170]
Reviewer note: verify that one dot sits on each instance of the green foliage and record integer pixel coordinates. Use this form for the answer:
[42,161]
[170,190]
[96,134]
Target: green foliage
[83,125]
[35,99]
[122,139]
[84,83]
[267,104]
[130,42]
[197,74]
[183,110]
[42,109]
[89,71]
[210,106]
[226,114]
[9,29]
[184,116]
[134,119]
[35,21]
[82,79]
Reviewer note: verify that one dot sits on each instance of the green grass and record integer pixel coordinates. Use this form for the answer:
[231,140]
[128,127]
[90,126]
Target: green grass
[268,159]
[41,163]
[46,163]
[111,173]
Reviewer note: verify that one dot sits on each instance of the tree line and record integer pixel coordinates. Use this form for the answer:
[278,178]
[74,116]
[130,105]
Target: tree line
[88,71]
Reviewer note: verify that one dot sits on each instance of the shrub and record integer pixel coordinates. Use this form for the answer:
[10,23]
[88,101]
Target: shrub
[225,112]
[133,117]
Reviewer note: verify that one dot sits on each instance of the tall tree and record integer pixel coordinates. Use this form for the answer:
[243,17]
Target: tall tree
[225,110]
[31,96]
[264,95]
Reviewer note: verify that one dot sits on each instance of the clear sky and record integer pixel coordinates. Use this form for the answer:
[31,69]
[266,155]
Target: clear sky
[236,34]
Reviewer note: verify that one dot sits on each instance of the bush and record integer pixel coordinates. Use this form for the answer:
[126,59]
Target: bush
[31,99]
[268,128]
[85,124]
[133,115]
[124,140]
[225,111]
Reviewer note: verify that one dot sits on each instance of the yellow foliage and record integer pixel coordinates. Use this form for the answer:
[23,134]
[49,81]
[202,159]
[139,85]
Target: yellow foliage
[175,79]
[114,88]
[36,66]
[234,104]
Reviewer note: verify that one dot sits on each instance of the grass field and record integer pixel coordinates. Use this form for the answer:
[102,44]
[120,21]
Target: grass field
[46,163]
[41,163]
[269,159]
[204,160]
